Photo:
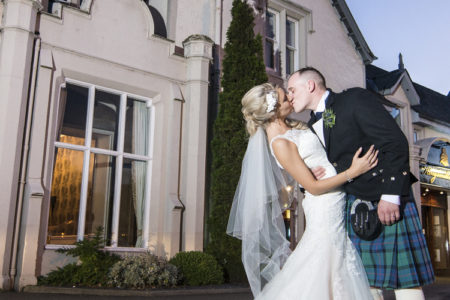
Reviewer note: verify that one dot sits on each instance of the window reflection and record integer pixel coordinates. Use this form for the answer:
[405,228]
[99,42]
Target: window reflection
[74,102]
[395,113]
[65,195]
[136,127]
[106,120]
[132,203]
[100,196]
[271,37]
[290,46]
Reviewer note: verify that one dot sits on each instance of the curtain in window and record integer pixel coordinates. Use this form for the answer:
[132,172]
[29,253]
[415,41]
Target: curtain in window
[138,168]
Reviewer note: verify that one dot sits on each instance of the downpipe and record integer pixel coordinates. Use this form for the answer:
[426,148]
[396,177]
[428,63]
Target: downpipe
[24,163]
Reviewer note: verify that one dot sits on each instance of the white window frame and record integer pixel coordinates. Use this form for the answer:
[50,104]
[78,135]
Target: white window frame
[276,39]
[303,25]
[292,47]
[119,154]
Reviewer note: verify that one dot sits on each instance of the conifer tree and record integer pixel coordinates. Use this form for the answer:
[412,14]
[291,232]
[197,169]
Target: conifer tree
[243,68]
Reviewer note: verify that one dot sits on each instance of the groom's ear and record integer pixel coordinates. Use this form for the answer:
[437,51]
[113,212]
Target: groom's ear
[311,84]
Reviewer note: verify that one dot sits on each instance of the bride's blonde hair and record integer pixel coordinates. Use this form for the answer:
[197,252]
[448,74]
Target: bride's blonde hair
[254,108]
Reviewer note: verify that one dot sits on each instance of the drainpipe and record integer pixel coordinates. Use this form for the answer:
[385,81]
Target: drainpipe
[24,164]
[219,22]
[183,207]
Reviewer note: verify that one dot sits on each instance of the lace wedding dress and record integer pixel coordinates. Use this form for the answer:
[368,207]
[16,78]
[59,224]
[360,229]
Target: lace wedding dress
[325,264]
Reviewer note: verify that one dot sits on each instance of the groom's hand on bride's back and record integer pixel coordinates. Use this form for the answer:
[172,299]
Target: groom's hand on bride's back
[388,213]
[318,172]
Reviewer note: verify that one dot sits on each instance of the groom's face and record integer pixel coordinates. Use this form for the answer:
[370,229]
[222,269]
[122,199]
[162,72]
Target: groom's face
[298,92]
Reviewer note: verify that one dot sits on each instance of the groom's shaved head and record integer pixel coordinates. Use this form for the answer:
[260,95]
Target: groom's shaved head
[306,87]
[310,73]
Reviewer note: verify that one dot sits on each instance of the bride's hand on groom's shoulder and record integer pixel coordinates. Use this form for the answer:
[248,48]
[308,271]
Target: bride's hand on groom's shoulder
[362,164]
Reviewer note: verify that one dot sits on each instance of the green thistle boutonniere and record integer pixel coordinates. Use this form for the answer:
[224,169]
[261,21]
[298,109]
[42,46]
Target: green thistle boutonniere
[329,118]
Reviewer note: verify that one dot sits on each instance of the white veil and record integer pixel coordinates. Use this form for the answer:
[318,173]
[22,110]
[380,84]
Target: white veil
[256,214]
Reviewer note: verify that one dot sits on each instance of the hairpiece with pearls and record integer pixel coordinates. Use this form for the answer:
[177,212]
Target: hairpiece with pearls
[271,102]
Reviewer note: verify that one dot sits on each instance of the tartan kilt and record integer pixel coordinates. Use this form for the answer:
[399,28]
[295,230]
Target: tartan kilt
[399,257]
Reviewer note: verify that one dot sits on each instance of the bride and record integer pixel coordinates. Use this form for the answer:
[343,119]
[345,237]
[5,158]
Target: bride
[324,265]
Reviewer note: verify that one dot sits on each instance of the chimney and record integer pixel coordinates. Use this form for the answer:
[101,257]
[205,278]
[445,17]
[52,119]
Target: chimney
[401,66]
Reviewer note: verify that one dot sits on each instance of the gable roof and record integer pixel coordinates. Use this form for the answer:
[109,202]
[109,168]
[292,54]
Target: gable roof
[378,79]
[353,31]
[433,105]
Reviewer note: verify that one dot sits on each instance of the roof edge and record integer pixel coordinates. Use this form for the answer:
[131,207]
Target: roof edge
[353,31]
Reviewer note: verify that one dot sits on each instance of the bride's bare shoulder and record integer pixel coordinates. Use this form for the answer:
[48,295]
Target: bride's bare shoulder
[283,144]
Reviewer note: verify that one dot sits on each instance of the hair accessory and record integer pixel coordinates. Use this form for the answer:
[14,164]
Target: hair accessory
[271,102]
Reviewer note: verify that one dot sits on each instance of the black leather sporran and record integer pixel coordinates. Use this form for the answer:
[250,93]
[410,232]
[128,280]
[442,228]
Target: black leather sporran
[364,220]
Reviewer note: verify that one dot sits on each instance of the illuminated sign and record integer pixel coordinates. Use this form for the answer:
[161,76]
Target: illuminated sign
[435,175]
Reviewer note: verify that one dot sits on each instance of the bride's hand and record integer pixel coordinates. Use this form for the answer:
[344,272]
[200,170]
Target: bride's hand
[361,165]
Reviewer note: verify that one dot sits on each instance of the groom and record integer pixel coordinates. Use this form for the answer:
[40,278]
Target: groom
[395,256]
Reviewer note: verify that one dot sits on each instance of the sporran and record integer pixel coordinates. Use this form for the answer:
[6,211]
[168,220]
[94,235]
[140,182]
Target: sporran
[364,219]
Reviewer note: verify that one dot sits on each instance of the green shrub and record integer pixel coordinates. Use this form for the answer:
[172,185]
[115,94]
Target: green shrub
[60,277]
[91,271]
[143,271]
[197,268]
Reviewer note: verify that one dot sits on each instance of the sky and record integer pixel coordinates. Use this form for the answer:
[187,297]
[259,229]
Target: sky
[419,29]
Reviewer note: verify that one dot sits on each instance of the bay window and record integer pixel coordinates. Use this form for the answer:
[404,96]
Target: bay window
[102,167]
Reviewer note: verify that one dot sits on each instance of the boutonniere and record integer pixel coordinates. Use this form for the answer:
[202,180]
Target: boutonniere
[329,118]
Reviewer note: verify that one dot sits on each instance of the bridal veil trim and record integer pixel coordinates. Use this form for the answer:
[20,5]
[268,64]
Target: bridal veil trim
[263,192]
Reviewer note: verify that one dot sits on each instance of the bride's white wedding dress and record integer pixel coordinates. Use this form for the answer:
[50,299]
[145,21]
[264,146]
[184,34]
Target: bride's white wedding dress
[325,264]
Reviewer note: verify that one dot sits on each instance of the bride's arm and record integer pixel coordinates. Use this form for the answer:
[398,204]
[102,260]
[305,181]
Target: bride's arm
[287,155]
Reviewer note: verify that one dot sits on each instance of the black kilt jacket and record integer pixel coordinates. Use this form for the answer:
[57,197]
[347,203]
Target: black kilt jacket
[360,121]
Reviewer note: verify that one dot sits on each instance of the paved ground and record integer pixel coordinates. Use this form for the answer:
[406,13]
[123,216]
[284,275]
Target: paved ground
[36,296]
[437,291]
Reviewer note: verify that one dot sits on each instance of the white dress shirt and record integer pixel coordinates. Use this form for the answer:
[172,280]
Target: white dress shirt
[318,126]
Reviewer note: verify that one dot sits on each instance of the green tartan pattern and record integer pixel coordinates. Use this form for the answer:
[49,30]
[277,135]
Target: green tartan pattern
[399,257]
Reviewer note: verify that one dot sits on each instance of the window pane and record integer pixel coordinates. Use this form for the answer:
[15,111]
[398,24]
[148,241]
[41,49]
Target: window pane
[290,33]
[74,101]
[136,127]
[270,25]
[106,120]
[100,196]
[132,203]
[269,52]
[289,61]
[395,113]
[65,197]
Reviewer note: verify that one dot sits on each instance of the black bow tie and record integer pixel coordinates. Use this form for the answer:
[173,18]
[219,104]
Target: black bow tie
[315,116]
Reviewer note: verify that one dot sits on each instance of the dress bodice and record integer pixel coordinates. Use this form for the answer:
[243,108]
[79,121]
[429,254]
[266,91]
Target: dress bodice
[309,147]
[312,152]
